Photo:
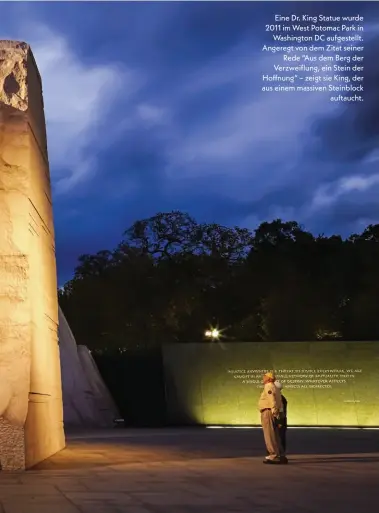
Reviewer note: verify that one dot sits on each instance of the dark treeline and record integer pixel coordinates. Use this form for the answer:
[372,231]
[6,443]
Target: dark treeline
[171,278]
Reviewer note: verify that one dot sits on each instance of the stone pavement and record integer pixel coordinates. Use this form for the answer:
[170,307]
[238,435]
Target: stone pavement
[200,471]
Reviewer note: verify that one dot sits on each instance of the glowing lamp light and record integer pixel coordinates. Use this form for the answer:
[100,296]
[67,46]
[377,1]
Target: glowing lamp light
[214,334]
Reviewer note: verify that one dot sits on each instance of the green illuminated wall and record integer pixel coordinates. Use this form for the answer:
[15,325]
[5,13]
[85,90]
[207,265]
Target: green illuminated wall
[325,383]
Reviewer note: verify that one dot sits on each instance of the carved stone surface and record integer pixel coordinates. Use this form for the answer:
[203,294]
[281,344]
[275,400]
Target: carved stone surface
[31,425]
[86,399]
[105,404]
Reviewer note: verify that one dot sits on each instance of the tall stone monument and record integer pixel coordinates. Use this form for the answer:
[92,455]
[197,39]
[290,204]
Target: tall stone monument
[87,402]
[31,414]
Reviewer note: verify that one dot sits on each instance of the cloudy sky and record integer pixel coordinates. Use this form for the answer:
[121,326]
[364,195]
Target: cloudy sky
[158,106]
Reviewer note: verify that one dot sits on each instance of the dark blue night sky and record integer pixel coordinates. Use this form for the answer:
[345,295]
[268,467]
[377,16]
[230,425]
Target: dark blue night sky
[157,106]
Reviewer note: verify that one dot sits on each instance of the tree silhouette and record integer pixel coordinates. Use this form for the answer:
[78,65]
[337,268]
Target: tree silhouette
[170,278]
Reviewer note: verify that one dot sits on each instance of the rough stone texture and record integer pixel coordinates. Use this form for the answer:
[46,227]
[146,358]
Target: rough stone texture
[86,400]
[105,404]
[30,383]
[12,446]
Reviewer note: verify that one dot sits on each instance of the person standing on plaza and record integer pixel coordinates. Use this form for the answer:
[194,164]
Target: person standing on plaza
[282,425]
[270,405]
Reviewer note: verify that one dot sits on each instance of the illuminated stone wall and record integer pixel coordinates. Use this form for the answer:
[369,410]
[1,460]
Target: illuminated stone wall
[105,404]
[86,400]
[31,414]
[325,383]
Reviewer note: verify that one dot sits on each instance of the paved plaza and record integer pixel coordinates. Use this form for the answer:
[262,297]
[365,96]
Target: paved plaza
[200,470]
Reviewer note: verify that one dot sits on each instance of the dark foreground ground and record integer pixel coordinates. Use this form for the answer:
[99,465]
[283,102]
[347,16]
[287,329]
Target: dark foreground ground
[202,471]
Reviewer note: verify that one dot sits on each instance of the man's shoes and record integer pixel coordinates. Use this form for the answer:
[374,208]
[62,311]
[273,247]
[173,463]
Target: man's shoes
[282,460]
[271,461]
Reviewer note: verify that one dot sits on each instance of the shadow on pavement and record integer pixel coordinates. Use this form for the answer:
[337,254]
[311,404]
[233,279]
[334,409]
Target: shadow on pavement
[328,460]
[186,445]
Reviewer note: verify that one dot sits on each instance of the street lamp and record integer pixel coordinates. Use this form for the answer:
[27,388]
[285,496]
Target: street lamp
[213,334]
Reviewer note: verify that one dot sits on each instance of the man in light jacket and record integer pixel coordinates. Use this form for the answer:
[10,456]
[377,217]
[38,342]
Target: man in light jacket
[270,405]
